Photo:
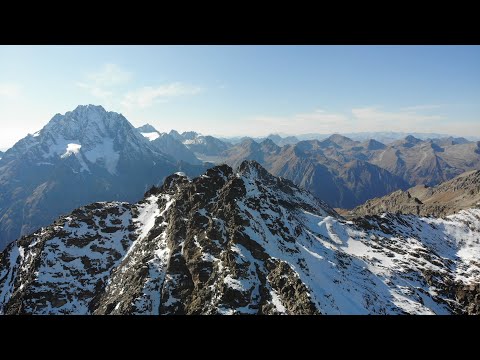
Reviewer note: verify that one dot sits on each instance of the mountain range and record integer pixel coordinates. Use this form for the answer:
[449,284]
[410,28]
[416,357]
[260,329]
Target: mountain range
[340,181]
[90,154]
[204,147]
[427,162]
[346,173]
[241,241]
[384,137]
[85,155]
[169,144]
[188,146]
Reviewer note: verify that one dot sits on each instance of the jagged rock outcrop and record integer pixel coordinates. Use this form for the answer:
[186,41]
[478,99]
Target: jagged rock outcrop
[241,242]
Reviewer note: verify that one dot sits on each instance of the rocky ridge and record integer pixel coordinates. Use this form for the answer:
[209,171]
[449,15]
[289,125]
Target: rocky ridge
[241,242]
[450,197]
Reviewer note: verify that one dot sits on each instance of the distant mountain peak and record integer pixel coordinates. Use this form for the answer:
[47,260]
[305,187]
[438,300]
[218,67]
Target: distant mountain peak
[274,137]
[309,145]
[409,141]
[337,141]
[147,128]
[338,136]
[373,144]
[249,166]
[269,143]
[189,135]
[340,139]
[412,139]
[176,135]
[450,140]
[248,141]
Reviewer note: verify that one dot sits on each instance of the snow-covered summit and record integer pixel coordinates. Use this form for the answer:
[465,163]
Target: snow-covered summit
[84,120]
[99,136]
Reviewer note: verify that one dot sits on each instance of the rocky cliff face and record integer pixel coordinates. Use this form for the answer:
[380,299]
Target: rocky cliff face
[450,197]
[241,242]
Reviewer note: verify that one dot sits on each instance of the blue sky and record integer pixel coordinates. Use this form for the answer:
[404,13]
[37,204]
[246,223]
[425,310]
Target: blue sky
[246,90]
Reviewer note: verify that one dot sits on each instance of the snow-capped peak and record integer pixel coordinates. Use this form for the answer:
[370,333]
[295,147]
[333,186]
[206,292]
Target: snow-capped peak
[85,121]
[90,133]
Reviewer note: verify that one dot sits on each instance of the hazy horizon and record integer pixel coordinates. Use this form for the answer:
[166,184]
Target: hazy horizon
[254,91]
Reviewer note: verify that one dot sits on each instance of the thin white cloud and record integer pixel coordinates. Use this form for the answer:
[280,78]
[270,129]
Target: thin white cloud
[148,95]
[101,84]
[108,85]
[10,90]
